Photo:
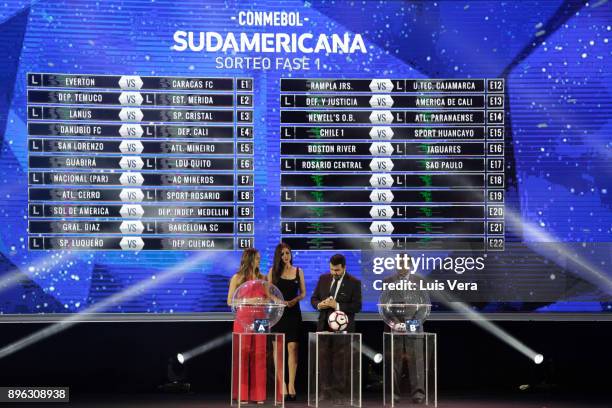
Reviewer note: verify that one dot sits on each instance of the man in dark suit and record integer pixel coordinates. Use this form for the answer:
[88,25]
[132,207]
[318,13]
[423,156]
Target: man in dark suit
[336,290]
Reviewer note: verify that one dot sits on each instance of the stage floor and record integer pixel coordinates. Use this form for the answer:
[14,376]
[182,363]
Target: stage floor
[203,401]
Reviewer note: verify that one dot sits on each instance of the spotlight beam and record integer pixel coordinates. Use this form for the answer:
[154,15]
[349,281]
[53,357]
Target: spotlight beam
[487,325]
[43,265]
[494,329]
[593,274]
[371,354]
[204,348]
[132,291]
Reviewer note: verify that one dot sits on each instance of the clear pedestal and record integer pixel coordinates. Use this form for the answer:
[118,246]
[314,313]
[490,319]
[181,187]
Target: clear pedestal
[334,369]
[258,369]
[410,364]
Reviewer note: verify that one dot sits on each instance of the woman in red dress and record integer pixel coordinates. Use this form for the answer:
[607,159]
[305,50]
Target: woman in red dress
[251,350]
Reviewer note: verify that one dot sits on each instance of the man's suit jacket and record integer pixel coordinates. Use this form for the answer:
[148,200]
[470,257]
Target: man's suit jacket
[348,297]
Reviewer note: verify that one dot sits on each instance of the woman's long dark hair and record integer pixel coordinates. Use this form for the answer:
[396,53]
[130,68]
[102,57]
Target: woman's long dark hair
[278,265]
[246,262]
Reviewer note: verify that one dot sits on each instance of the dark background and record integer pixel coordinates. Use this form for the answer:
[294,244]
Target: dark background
[116,358]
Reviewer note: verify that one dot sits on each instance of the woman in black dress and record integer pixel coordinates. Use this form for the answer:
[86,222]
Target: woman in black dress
[290,281]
